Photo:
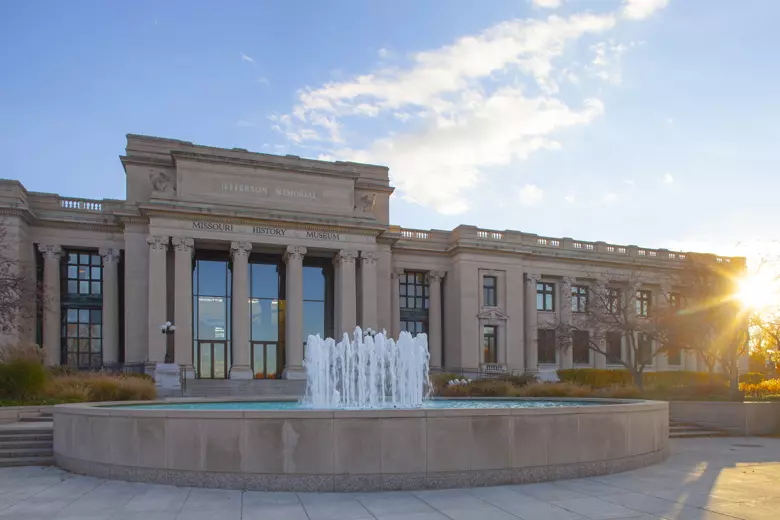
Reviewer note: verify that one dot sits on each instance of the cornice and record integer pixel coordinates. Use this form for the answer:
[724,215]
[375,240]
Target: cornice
[144,160]
[88,226]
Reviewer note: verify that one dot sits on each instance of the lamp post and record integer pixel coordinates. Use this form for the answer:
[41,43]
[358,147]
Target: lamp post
[168,329]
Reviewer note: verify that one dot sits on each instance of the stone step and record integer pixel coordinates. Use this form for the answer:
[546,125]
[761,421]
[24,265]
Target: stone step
[4,434]
[28,461]
[38,418]
[30,437]
[697,433]
[23,453]
[25,443]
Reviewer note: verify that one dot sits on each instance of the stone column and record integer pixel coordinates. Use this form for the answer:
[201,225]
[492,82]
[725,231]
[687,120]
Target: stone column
[531,347]
[110,305]
[293,313]
[158,299]
[240,368]
[347,291]
[567,353]
[368,298]
[52,325]
[395,326]
[434,318]
[182,310]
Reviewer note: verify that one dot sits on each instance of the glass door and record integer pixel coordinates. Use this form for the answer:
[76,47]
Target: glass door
[267,363]
[211,359]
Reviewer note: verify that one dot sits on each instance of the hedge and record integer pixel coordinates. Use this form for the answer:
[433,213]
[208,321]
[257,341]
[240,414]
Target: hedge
[602,378]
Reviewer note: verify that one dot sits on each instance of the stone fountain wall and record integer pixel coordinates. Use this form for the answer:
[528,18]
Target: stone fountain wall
[305,450]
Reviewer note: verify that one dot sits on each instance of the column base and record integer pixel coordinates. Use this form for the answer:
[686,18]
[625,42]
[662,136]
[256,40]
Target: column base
[149,368]
[241,372]
[294,373]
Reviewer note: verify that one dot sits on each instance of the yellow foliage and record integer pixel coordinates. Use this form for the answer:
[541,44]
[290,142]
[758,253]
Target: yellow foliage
[762,390]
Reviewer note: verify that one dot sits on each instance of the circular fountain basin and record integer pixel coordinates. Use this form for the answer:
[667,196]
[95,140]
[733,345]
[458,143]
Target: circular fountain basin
[282,445]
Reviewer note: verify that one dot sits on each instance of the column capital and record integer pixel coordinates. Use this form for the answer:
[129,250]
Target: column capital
[183,244]
[345,256]
[369,257]
[157,242]
[50,251]
[241,249]
[397,271]
[110,255]
[294,253]
[436,276]
[532,278]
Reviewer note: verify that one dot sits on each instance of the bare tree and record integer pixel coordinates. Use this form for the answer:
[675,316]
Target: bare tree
[712,323]
[617,308]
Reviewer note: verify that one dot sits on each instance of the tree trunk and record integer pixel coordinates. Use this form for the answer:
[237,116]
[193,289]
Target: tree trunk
[637,377]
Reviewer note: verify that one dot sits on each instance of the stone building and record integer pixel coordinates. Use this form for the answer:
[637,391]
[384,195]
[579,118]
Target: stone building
[247,254]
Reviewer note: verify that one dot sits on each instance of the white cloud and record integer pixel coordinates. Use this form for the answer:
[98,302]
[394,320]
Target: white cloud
[610,197]
[641,9]
[571,199]
[669,121]
[263,81]
[531,195]
[668,178]
[449,117]
[607,60]
[385,53]
[630,182]
[548,4]
[244,57]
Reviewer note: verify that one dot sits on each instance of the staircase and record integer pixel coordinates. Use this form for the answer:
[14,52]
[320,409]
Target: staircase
[28,442]
[259,388]
[678,430]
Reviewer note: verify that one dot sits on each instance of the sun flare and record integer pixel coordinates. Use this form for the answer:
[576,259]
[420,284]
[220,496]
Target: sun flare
[758,292]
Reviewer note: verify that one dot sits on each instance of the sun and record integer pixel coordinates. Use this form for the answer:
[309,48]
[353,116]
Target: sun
[758,292]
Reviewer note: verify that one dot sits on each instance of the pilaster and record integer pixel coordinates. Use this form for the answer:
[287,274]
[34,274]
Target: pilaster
[531,347]
[158,298]
[368,288]
[52,340]
[110,305]
[435,317]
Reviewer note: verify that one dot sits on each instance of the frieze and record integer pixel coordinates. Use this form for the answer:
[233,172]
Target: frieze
[224,227]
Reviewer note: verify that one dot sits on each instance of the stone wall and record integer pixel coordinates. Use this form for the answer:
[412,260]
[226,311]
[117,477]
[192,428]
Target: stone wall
[305,450]
[736,418]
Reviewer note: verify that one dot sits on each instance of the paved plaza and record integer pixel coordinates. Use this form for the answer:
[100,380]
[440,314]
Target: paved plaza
[704,479]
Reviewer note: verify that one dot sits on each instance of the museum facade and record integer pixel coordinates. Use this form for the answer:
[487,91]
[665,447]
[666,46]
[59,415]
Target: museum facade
[247,254]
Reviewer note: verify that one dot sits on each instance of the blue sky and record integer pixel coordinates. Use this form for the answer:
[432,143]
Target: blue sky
[647,122]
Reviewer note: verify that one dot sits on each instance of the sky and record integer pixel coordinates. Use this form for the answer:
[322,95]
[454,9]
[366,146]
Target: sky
[646,122]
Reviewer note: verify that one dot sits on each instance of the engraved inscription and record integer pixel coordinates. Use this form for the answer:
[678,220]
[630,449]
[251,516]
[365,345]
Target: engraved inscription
[212,226]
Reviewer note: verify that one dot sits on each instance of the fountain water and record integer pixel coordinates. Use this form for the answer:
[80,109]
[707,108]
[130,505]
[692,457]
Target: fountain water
[367,372]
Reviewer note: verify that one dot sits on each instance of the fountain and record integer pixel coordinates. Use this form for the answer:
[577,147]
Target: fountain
[370,371]
[364,424]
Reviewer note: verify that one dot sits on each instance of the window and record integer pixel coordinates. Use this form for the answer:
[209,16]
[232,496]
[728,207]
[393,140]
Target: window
[643,303]
[546,345]
[415,327]
[489,341]
[581,347]
[83,337]
[613,300]
[413,290]
[489,296]
[613,348]
[579,298]
[545,296]
[84,274]
[674,301]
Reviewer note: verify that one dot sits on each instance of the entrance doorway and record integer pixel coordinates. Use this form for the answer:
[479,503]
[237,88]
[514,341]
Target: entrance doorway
[212,359]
